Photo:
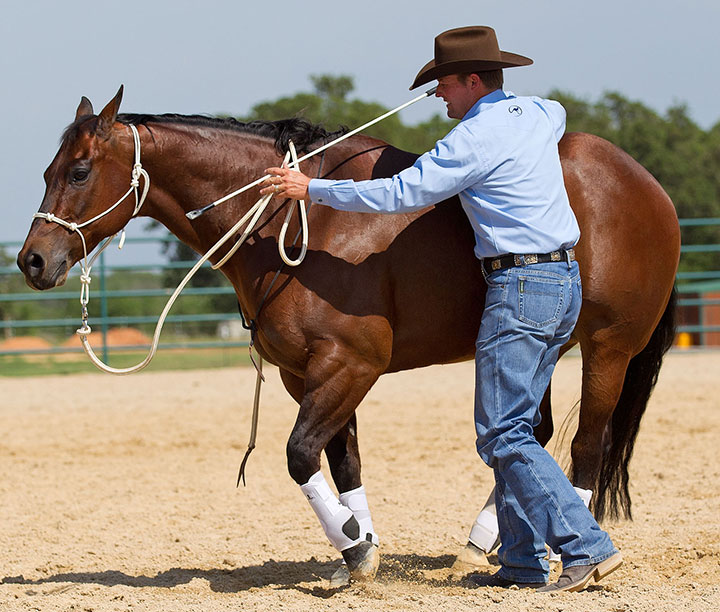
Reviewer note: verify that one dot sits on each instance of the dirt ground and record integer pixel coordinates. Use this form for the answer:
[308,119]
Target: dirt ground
[118,494]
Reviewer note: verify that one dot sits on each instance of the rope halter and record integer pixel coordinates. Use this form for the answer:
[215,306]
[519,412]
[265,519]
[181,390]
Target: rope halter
[85,279]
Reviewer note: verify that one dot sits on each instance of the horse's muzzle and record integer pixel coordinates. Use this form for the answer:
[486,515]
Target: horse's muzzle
[42,272]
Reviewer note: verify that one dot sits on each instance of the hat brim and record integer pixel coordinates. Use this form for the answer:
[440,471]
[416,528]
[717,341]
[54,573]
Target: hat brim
[431,71]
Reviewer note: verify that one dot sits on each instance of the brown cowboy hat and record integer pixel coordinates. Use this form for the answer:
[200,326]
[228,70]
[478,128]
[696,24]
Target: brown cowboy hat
[470,49]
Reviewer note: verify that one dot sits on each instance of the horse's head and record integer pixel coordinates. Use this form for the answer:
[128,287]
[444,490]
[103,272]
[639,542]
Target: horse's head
[90,172]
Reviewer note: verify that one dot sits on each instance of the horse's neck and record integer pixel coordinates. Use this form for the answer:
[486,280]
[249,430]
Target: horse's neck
[188,172]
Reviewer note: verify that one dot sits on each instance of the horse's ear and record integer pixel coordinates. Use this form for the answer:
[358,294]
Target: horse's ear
[107,117]
[84,108]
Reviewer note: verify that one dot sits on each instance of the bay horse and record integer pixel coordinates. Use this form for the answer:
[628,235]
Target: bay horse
[379,293]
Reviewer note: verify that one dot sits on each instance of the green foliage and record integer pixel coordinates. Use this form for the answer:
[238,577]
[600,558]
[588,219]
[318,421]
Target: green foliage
[43,365]
[329,106]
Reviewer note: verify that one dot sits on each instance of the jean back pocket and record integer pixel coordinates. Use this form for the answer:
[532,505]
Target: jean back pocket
[540,300]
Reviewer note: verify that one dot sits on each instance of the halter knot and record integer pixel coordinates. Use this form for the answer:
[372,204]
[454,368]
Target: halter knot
[73,227]
[85,278]
[135,175]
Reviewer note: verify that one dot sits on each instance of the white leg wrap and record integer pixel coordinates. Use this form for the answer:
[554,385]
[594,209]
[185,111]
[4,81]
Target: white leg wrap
[585,495]
[340,525]
[484,532]
[357,502]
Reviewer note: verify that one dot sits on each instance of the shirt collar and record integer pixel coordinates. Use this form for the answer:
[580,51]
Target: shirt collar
[487,100]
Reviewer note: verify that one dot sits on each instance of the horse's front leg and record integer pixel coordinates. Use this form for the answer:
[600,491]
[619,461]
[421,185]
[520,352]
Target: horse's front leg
[336,380]
[343,455]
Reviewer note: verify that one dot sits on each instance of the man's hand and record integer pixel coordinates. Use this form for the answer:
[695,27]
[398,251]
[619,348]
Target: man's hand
[286,184]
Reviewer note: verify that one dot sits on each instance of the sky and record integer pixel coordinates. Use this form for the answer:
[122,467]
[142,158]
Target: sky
[220,56]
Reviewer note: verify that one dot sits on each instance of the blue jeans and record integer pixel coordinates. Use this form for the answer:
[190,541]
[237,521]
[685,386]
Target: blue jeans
[529,314]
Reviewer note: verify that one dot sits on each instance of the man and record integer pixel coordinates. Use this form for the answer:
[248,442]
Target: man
[502,161]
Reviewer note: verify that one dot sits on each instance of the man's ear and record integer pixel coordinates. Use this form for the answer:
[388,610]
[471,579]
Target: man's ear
[475,80]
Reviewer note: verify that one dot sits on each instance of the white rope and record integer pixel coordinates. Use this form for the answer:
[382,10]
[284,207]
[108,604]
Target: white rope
[194,214]
[260,207]
[251,218]
[253,215]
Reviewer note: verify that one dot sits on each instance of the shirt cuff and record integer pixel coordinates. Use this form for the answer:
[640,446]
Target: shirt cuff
[318,190]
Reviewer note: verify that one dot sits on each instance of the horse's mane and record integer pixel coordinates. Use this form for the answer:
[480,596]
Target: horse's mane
[303,133]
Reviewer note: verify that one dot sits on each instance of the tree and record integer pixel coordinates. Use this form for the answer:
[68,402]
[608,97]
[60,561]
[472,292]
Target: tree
[329,106]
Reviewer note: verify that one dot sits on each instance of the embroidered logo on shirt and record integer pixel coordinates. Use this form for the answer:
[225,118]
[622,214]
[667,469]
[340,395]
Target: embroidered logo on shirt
[515,110]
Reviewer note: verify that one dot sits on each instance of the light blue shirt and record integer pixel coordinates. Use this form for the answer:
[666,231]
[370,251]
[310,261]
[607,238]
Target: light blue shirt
[501,160]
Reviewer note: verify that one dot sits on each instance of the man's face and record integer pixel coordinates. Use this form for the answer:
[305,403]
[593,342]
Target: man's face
[458,95]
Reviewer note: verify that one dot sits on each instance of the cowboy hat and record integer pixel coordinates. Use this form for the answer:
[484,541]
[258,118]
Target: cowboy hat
[469,49]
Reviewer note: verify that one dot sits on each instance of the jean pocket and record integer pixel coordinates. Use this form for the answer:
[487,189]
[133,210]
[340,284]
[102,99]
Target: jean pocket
[540,300]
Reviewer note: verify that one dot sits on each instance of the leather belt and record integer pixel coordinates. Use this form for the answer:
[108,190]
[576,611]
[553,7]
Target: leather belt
[511,260]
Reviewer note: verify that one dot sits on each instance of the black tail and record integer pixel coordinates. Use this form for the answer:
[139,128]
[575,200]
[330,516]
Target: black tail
[612,497]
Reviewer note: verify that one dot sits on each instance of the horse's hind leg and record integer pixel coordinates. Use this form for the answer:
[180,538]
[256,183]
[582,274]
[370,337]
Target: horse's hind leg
[602,381]
[335,383]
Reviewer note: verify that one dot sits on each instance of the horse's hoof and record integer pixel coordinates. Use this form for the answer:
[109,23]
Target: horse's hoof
[340,577]
[362,561]
[470,558]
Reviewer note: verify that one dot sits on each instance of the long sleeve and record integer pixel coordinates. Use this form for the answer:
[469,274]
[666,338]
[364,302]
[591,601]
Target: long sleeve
[456,162]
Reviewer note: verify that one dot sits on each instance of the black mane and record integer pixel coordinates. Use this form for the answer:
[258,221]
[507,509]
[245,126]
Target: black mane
[303,133]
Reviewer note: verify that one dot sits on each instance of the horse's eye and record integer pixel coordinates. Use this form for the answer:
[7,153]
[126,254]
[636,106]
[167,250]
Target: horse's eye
[80,175]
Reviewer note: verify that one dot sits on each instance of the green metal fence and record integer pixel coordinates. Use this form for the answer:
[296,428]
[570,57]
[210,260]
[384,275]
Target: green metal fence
[101,296]
[699,295]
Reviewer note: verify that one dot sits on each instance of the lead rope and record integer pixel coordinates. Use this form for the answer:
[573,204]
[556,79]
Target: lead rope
[253,214]
[252,327]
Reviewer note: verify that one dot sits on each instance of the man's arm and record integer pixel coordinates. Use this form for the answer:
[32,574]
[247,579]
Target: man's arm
[453,165]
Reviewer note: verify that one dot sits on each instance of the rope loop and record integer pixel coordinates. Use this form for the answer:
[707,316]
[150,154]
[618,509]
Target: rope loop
[84,331]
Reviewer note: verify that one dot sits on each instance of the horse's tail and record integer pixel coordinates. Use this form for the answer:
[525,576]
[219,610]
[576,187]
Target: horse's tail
[612,497]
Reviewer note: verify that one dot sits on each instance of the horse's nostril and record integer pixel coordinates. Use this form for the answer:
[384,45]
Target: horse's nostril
[35,261]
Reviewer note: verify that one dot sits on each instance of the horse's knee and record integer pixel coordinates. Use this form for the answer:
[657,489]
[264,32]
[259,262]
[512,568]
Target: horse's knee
[302,462]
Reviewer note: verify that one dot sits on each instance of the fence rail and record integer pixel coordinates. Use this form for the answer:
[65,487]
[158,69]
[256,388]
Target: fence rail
[703,300]
[101,296]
